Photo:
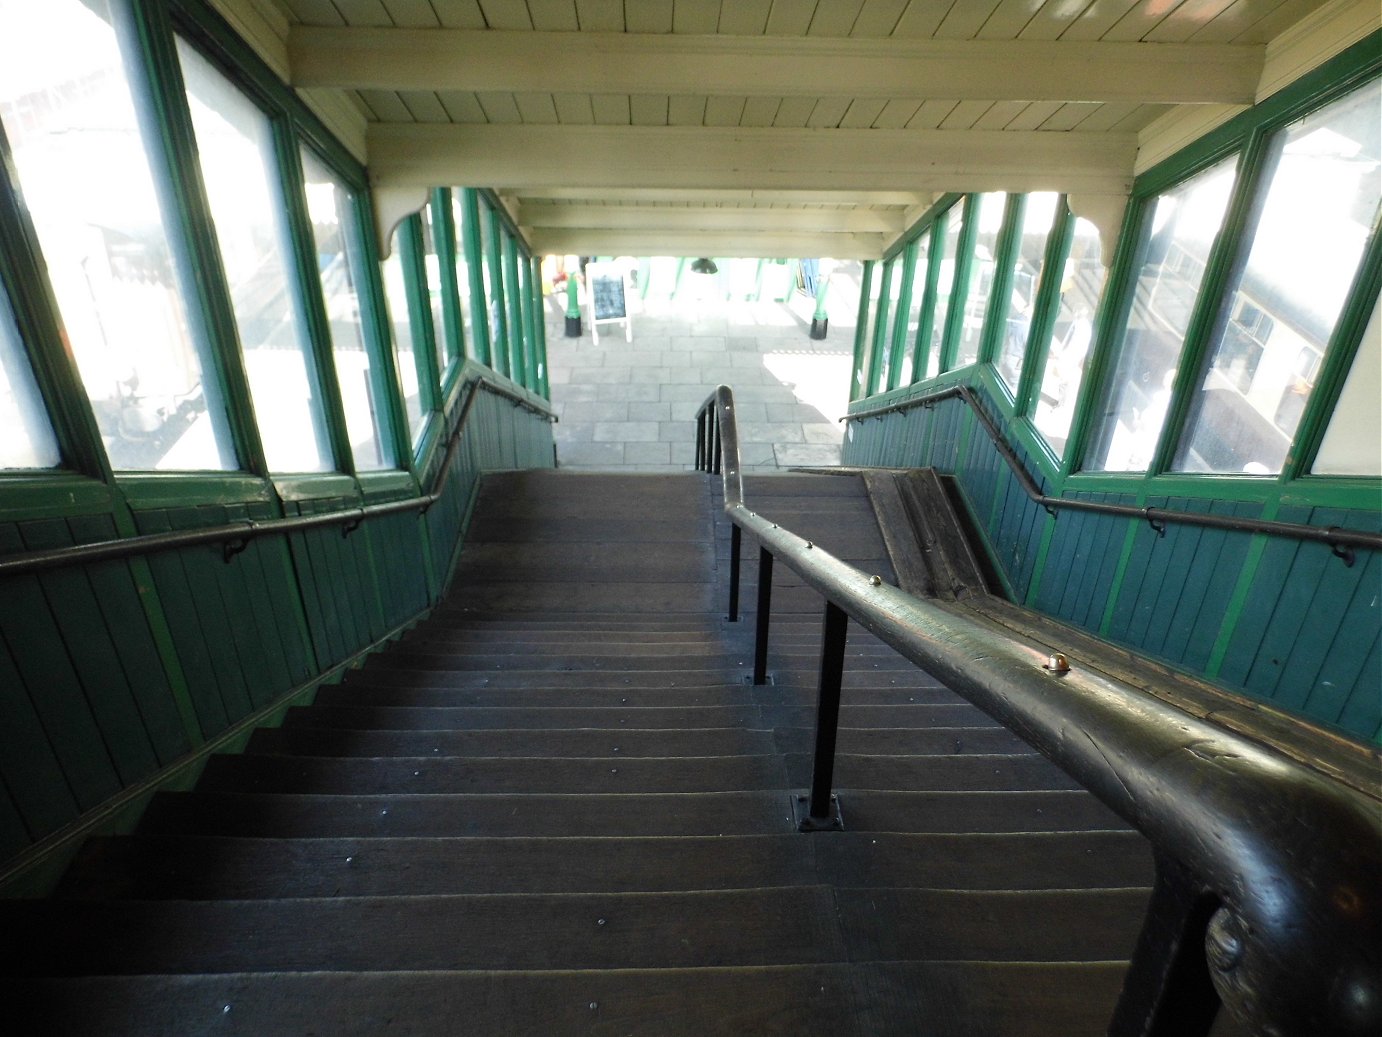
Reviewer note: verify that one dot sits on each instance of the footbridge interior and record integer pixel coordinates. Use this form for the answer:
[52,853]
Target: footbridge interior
[330,702]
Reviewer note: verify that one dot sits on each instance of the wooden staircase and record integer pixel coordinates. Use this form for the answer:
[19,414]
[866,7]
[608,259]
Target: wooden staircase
[558,806]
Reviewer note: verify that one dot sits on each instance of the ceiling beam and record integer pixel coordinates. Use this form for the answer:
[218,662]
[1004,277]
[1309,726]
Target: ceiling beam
[629,63]
[746,196]
[545,215]
[619,157]
[602,242]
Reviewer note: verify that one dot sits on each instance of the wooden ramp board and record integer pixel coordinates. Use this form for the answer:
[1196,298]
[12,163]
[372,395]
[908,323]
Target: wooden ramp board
[553,744]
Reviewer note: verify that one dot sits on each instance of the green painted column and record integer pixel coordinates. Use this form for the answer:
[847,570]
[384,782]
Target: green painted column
[573,306]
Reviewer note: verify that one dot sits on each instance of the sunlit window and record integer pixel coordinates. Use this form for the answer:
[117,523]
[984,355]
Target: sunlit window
[434,296]
[865,340]
[331,208]
[951,229]
[1067,350]
[494,298]
[1352,443]
[400,321]
[1038,215]
[1320,206]
[887,320]
[84,171]
[26,437]
[988,223]
[461,215]
[1170,268]
[236,147]
[915,308]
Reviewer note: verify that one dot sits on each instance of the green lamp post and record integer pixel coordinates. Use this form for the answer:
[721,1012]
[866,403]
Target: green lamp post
[573,307]
[820,323]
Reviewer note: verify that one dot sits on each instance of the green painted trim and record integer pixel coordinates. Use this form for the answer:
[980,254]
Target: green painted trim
[188,489]
[880,330]
[444,242]
[1130,534]
[861,321]
[26,495]
[1045,307]
[923,224]
[1000,292]
[322,486]
[499,336]
[540,328]
[1247,576]
[959,289]
[904,305]
[921,350]
[412,259]
[36,871]
[1048,533]
[479,305]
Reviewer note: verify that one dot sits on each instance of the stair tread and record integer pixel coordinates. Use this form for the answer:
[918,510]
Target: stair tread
[889,999]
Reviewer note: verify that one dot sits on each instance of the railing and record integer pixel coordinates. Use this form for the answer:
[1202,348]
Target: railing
[1266,895]
[1342,540]
[234,536]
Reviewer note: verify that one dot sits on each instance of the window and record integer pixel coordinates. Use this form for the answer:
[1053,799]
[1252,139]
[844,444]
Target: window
[26,437]
[950,231]
[492,279]
[1182,227]
[1353,441]
[887,319]
[400,322]
[460,214]
[335,232]
[863,347]
[911,354]
[83,165]
[1038,215]
[1067,350]
[988,223]
[236,148]
[1320,205]
[434,296]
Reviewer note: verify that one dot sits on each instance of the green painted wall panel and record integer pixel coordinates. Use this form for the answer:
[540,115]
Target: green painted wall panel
[14,836]
[29,767]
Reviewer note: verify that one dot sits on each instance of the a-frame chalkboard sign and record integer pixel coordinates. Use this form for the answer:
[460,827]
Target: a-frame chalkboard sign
[608,299]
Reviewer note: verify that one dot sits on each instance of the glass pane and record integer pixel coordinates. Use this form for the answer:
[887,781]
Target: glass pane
[990,222]
[918,299]
[1039,212]
[864,341]
[1184,224]
[400,320]
[1353,441]
[331,208]
[84,171]
[892,280]
[460,215]
[236,148]
[26,437]
[429,258]
[1067,350]
[509,266]
[490,277]
[1284,301]
[944,283]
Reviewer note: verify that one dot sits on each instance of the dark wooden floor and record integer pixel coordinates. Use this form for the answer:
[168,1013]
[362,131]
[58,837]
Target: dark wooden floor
[558,806]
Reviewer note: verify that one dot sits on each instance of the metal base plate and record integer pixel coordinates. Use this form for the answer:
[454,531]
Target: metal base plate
[801,813]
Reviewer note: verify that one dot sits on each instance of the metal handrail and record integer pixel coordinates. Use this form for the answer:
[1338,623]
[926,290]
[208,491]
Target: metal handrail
[1267,871]
[1342,539]
[234,536]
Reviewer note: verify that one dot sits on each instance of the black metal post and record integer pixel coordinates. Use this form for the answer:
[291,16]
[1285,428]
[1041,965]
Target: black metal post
[700,441]
[715,442]
[1167,991]
[765,600]
[736,536]
[823,813]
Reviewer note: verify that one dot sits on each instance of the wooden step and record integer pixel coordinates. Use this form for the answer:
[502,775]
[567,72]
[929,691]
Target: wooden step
[182,867]
[440,775]
[279,815]
[998,773]
[886,999]
[381,694]
[548,743]
[441,718]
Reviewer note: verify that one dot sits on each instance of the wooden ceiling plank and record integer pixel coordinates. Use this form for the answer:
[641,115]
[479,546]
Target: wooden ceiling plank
[703,217]
[1000,115]
[567,62]
[600,15]
[696,17]
[1010,18]
[387,105]
[462,106]
[459,14]
[896,113]
[1051,21]
[965,114]
[922,18]
[930,114]
[745,17]
[834,18]
[760,111]
[577,241]
[878,19]
[610,109]
[726,196]
[412,14]
[862,113]
[1187,19]
[1098,18]
[1068,116]
[965,20]
[686,110]
[828,113]
[574,110]
[793,112]
[500,107]
[314,12]
[651,16]
[536,109]
[507,14]
[724,111]
[554,15]
[648,109]
[791,17]
[365,14]
[425,106]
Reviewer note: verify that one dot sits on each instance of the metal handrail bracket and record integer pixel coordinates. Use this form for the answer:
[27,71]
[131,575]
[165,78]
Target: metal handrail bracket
[1267,871]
